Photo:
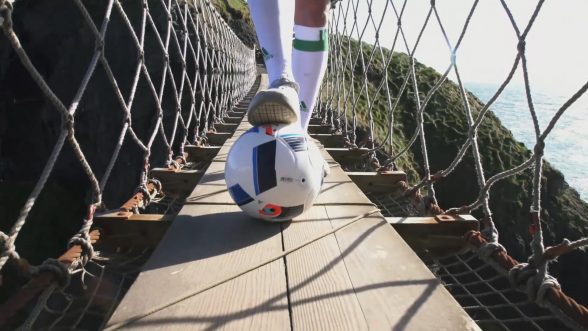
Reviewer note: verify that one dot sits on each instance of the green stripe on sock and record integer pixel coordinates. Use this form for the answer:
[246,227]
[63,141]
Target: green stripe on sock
[313,45]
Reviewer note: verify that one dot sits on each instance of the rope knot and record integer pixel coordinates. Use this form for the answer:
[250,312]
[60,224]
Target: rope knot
[7,247]
[57,268]
[489,248]
[68,122]
[527,275]
[539,148]
[99,46]
[520,274]
[82,239]
[521,46]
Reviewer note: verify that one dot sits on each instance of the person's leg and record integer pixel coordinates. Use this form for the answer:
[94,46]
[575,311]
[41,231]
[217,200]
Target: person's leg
[310,49]
[274,20]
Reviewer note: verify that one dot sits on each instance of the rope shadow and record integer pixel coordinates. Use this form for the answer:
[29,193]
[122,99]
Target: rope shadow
[268,307]
[270,304]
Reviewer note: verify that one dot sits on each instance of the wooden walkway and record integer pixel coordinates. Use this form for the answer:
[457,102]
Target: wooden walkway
[362,277]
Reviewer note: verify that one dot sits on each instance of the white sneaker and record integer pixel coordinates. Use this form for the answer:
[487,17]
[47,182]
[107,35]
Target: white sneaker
[277,105]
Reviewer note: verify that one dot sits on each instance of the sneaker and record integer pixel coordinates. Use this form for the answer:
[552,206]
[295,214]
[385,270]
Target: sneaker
[277,105]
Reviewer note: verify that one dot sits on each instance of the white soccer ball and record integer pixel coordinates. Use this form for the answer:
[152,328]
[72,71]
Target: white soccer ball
[273,172]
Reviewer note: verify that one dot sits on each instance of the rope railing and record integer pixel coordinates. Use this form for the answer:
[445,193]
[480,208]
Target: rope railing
[359,95]
[185,60]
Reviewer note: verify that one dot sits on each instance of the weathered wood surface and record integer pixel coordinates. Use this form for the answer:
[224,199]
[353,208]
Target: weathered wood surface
[396,290]
[378,182]
[329,140]
[322,296]
[439,234]
[362,277]
[226,127]
[204,244]
[217,138]
[177,182]
[319,129]
[201,153]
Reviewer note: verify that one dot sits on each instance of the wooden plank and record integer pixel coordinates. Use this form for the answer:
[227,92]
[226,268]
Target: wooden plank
[440,234]
[217,138]
[177,182]
[395,289]
[137,230]
[237,112]
[201,153]
[321,294]
[346,155]
[316,121]
[378,182]
[205,244]
[230,119]
[339,189]
[212,188]
[329,140]
[319,129]
[226,127]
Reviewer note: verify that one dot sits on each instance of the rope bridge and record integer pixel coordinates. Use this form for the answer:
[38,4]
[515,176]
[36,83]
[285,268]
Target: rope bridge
[193,69]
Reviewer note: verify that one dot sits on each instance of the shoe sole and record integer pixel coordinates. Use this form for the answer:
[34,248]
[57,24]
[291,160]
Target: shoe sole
[271,108]
[271,113]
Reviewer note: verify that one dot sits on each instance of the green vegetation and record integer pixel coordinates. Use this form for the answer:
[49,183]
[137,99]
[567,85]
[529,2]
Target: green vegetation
[236,14]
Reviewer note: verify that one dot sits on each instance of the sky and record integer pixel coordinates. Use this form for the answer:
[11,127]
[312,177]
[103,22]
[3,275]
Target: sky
[557,46]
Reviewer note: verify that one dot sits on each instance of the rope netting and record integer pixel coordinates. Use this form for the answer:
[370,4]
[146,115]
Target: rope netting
[185,62]
[362,101]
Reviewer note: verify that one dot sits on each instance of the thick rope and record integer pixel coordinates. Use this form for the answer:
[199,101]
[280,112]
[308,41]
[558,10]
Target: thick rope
[235,275]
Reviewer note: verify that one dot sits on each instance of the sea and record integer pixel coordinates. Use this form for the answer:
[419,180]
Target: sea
[567,145]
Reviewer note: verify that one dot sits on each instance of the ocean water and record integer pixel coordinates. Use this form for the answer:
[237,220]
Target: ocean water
[566,146]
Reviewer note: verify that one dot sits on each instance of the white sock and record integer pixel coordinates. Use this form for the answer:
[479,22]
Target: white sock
[274,21]
[309,62]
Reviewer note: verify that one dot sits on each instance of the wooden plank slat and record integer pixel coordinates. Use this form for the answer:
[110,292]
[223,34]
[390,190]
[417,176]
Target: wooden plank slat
[395,289]
[226,127]
[346,155]
[136,230]
[329,140]
[321,294]
[217,138]
[203,245]
[201,153]
[230,119]
[440,235]
[177,182]
[378,182]
[339,189]
[319,129]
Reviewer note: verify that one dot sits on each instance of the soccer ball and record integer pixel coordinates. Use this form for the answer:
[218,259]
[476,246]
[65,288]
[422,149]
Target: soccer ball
[273,172]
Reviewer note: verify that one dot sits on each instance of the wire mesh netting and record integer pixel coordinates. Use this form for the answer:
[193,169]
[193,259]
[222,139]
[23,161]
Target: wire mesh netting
[90,298]
[153,77]
[487,295]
